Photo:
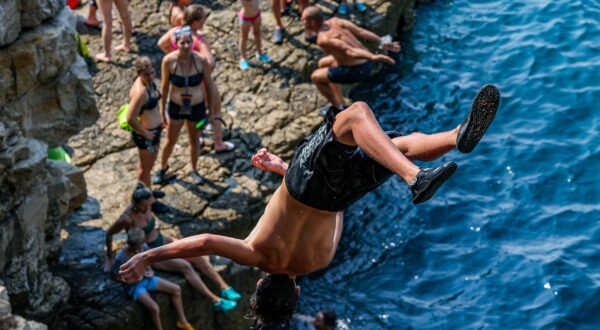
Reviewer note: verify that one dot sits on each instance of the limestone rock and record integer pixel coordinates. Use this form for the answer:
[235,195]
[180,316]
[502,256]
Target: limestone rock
[11,22]
[33,12]
[46,85]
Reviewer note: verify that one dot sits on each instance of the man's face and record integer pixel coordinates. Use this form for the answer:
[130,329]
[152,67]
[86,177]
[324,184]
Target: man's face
[308,23]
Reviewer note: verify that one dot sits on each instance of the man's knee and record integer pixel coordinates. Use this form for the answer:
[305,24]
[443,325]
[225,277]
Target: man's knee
[176,291]
[360,108]
[154,308]
[319,76]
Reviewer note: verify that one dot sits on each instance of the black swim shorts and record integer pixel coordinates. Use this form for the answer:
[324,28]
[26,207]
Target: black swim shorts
[328,175]
[350,74]
[141,141]
[198,112]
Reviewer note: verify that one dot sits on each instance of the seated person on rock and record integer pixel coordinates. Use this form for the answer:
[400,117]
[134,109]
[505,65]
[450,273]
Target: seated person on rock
[348,60]
[345,158]
[139,291]
[138,214]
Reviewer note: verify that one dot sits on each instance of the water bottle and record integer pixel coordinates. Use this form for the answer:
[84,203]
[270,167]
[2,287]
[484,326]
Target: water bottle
[384,40]
[149,146]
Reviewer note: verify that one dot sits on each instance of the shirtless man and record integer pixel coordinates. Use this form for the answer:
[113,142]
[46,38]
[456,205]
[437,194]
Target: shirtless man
[348,60]
[346,157]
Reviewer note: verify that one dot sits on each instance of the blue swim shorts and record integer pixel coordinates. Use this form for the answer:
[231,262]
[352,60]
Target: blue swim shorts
[145,285]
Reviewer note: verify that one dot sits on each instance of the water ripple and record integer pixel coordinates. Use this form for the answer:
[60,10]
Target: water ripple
[511,241]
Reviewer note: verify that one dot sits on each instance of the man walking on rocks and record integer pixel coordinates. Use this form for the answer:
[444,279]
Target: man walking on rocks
[348,60]
[346,157]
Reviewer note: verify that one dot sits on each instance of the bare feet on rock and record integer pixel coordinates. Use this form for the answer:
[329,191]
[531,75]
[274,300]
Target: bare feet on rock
[123,48]
[102,57]
[266,161]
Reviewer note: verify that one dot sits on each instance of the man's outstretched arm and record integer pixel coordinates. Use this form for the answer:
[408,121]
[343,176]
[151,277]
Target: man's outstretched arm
[365,34]
[198,245]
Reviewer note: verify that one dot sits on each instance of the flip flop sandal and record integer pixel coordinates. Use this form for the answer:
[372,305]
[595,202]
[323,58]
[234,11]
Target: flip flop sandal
[478,120]
[93,27]
[230,147]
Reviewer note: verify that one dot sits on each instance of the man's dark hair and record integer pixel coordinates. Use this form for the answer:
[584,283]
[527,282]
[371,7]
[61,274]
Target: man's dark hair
[273,302]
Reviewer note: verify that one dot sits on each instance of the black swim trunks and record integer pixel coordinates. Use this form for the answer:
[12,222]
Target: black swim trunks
[328,175]
[141,141]
[198,112]
[350,74]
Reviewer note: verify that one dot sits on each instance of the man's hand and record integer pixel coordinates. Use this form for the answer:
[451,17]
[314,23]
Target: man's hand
[392,46]
[384,59]
[133,270]
[266,161]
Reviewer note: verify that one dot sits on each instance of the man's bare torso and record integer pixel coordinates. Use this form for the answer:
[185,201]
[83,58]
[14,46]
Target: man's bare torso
[293,238]
[335,28]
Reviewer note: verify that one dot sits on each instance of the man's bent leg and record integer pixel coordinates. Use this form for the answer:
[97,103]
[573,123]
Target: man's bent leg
[321,80]
[357,126]
[426,147]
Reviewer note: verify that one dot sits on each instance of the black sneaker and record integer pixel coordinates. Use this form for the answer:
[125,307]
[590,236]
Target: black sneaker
[478,120]
[161,176]
[158,194]
[428,180]
[196,178]
[158,207]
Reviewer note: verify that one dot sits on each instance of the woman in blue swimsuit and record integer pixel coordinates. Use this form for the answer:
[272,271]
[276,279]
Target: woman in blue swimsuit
[182,74]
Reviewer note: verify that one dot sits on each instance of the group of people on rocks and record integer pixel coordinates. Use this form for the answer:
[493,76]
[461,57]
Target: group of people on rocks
[345,158]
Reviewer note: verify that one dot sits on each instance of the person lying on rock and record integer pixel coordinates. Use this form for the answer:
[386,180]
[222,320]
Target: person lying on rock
[346,157]
[349,61]
[138,214]
[182,74]
[195,17]
[139,291]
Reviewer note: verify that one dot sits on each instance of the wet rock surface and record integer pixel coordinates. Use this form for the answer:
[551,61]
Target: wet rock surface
[271,105]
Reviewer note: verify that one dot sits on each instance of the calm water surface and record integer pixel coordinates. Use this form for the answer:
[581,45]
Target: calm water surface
[512,241]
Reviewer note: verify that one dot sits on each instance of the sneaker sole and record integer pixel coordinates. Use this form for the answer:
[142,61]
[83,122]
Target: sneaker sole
[435,183]
[483,111]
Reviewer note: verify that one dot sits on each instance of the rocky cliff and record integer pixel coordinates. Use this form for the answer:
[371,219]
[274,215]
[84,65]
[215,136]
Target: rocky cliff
[46,96]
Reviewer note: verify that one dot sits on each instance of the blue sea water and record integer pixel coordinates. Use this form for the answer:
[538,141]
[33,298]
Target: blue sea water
[512,241]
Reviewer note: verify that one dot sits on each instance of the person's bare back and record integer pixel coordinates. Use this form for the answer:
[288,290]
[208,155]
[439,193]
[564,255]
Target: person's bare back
[333,35]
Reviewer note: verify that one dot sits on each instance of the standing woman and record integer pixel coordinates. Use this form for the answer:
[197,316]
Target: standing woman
[144,117]
[144,97]
[182,74]
[106,9]
[195,17]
